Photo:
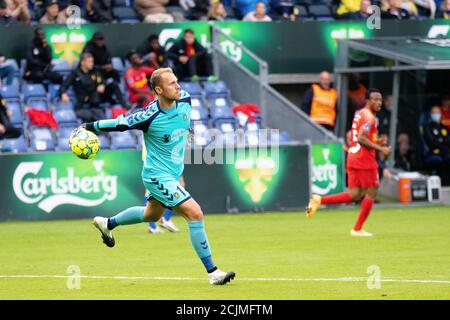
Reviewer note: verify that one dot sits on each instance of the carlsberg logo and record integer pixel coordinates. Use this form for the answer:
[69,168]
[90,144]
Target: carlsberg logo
[325,175]
[64,187]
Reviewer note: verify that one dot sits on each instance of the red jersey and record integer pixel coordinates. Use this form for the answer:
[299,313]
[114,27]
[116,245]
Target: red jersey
[137,79]
[360,157]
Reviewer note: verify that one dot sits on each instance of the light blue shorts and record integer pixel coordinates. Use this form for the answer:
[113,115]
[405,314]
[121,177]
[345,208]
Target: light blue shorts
[168,191]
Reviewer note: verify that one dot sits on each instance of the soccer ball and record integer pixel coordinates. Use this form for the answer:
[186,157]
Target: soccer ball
[84,144]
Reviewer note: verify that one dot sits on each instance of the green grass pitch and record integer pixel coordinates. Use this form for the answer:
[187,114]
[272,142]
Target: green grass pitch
[275,256]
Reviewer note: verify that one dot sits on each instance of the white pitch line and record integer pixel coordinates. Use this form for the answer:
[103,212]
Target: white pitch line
[344,279]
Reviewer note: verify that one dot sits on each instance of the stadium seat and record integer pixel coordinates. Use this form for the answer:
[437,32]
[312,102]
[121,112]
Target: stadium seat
[198,114]
[66,117]
[16,113]
[303,12]
[64,106]
[122,140]
[63,137]
[118,64]
[284,137]
[193,88]
[61,66]
[200,133]
[122,3]
[219,105]
[320,12]
[33,91]
[123,13]
[13,63]
[10,92]
[14,145]
[225,125]
[37,103]
[216,88]
[105,142]
[197,102]
[41,139]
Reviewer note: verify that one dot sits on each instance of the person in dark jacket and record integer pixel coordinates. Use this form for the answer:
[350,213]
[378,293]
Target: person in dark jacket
[437,139]
[5,17]
[152,53]
[90,89]
[6,128]
[189,57]
[102,57]
[100,10]
[39,60]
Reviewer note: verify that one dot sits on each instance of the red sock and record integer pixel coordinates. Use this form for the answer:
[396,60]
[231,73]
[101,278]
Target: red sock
[343,197]
[366,207]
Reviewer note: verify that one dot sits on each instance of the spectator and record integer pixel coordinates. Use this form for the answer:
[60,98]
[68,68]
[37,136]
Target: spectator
[90,89]
[5,17]
[362,14]
[395,11]
[437,139]
[383,171]
[347,6]
[38,8]
[6,71]
[247,6]
[153,11]
[153,54]
[136,78]
[404,158]
[199,11]
[445,110]
[425,8]
[444,10]
[6,128]
[287,9]
[19,10]
[102,57]
[52,14]
[384,116]
[356,91]
[39,60]
[319,102]
[189,57]
[259,15]
[100,10]
[217,12]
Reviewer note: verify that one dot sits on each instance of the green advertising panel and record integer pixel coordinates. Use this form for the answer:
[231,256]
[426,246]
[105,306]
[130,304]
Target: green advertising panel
[251,179]
[59,185]
[288,47]
[328,176]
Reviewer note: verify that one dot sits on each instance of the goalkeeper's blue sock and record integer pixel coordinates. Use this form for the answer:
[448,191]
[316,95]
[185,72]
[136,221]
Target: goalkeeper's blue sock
[201,245]
[152,225]
[131,215]
[168,214]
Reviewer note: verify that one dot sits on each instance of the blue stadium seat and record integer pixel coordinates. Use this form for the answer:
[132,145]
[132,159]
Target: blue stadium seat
[64,106]
[216,88]
[198,102]
[130,20]
[37,103]
[61,66]
[16,113]
[118,64]
[15,145]
[123,13]
[66,117]
[122,140]
[285,137]
[10,92]
[198,114]
[320,12]
[122,3]
[200,133]
[225,125]
[13,63]
[193,88]
[63,137]
[105,142]
[41,139]
[33,91]
[220,108]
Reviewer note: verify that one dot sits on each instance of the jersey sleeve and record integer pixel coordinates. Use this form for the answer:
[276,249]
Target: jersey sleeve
[367,121]
[139,120]
[185,97]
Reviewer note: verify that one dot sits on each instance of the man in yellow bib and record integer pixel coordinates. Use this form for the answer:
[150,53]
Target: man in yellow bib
[319,102]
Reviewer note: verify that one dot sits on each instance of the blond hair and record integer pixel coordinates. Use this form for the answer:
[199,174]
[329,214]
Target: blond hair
[155,80]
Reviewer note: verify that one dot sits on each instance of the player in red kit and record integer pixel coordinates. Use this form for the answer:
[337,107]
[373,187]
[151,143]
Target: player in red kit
[362,167]
[137,83]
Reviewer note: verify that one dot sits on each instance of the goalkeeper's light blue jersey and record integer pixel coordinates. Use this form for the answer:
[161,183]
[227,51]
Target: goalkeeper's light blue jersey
[165,135]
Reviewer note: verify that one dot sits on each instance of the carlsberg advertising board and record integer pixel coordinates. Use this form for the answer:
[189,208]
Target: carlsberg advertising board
[327,168]
[59,185]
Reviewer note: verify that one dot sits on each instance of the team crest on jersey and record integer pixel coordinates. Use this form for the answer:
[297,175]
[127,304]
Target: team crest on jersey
[367,126]
[176,195]
[185,117]
[166,138]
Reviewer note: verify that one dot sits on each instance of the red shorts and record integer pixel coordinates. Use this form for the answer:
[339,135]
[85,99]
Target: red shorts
[363,178]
